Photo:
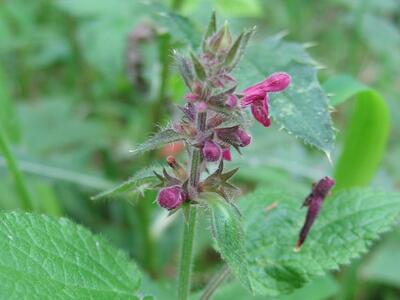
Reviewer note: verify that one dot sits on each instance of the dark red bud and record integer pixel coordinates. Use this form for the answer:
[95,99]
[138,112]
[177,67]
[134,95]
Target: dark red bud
[171,197]
[211,151]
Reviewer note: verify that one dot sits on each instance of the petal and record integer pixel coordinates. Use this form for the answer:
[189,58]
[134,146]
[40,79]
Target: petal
[251,98]
[226,154]
[277,82]
[260,112]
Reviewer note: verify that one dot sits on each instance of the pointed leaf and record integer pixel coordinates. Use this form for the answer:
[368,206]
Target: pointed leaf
[198,67]
[185,67]
[238,48]
[212,27]
[159,139]
[45,258]
[145,179]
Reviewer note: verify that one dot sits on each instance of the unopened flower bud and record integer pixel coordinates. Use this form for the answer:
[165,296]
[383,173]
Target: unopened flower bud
[211,151]
[232,101]
[244,138]
[171,197]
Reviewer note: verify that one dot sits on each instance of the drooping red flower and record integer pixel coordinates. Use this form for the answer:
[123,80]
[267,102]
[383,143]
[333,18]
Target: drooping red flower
[257,95]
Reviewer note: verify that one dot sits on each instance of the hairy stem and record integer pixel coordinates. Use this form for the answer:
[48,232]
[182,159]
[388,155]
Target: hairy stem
[215,282]
[185,269]
[20,184]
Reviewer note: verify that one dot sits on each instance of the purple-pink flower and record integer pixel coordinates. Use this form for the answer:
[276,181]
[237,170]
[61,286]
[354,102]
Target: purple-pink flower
[257,95]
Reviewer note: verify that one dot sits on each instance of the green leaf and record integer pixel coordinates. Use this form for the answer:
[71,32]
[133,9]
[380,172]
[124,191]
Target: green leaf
[384,263]
[229,238]
[347,225]
[238,48]
[367,134]
[45,258]
[319,289]
[302,109]
[141,181]
[159,139]
[198,67]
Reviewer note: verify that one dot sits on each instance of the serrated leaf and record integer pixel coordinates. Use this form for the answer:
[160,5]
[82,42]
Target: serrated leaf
[366,135]
[228,234]
[145,179]
[159,139]
[44,258]
[302,109]
[348,223]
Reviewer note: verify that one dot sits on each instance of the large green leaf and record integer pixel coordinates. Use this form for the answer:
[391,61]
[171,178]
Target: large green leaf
[367,133]
[44,258]
[347,225]
[384,263]
[229,238]
[302,109]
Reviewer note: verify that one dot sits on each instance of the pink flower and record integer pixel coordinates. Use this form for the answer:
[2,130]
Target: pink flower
[171,197]
[257,95]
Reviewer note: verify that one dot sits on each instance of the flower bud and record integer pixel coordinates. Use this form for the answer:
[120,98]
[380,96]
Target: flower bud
[211,151]
[171,197]
[244,138]
[232,101]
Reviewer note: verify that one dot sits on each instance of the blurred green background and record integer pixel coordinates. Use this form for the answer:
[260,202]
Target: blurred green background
[82,82]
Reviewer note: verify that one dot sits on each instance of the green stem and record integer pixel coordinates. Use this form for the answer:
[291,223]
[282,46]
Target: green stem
[185,268]
[21,188]
[215,282]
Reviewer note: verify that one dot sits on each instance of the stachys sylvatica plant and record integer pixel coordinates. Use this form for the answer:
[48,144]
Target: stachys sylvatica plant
[270,254]
[264,238]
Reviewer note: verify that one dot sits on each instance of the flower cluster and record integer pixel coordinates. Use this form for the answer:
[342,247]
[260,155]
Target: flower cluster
[213,119]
